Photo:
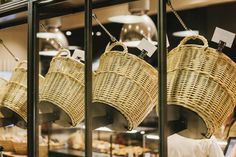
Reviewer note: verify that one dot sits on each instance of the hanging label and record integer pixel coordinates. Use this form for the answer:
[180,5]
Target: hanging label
[147,46]
[223,35]
[78,54]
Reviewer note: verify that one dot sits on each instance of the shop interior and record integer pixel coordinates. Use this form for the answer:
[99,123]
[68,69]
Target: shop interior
[61,34]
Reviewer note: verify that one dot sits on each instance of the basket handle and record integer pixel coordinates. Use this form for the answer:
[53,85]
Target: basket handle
[61,51]
[194,37]
[111,46]
[21,64]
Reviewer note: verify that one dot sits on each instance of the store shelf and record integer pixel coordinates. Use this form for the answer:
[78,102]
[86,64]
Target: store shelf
[15,13]
[75,153]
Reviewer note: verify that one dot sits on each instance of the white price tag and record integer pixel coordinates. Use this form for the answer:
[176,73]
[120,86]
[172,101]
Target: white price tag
[78,54]
[130,154]
[147,46]
[223,35]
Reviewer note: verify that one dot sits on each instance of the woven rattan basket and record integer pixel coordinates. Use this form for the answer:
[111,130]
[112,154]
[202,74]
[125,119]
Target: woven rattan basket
[63,90]
[202,80]
[126,83]
[14,98]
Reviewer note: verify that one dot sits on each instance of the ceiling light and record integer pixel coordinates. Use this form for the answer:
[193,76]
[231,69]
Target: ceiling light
[68,33]
[50,53]
[98,34]
[45,1]
[103,129]
[153,137]
[126,19]
[186,33]
[46,35]
[132,132]
[132,34]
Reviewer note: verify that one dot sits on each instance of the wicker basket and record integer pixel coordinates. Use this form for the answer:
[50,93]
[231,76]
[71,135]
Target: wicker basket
[202,80]
[126,83]
[7,145]
[63,90]
[14,98]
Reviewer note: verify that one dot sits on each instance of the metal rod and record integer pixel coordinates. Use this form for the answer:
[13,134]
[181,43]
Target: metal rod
[104,28]
[88,77]
[32,80]
[8,50]
[162,83]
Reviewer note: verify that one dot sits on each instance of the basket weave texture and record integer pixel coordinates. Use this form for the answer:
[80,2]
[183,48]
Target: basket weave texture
[14,96]
[127,83]
[64,87]
[203,80]
[21,149]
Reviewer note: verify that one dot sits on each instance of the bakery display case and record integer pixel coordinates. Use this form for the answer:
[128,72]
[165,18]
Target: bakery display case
[152,73]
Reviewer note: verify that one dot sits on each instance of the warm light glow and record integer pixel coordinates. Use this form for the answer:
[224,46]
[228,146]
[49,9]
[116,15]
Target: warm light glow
[132,132]
[153,137]
[46,1]
[185,33]
[103,129]
[68,33]
[50,53]
[46,35]
[136,43]
[126,19]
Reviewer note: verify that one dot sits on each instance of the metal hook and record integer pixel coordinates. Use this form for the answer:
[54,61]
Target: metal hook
[113,39]
[9,51]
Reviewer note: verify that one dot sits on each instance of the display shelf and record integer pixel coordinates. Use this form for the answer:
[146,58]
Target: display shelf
[75,153]
[15,13]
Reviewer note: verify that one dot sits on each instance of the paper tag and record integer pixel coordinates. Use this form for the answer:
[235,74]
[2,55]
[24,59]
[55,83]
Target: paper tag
[130,154]
[147,46]
[78,54]
[223,35]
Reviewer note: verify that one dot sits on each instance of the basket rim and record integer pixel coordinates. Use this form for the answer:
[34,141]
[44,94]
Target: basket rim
[66,58]
[107,53]
[208,50]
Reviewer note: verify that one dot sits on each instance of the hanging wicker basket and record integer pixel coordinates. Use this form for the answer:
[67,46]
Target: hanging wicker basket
[202,80]
[63,90]
[3,82]
[14,97]
[126,83]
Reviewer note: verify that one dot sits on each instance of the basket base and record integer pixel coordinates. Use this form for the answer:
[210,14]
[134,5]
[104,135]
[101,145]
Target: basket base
[196,127]
[19,121]
[115,120]
[48,107]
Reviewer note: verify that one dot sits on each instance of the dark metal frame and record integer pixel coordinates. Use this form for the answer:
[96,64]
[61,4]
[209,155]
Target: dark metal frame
[33,73]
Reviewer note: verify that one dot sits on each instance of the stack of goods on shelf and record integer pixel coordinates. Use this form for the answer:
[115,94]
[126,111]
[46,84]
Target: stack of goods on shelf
[13,99]
[76,141]
[202,80]
[63,90]
[127,85]
[6,139]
